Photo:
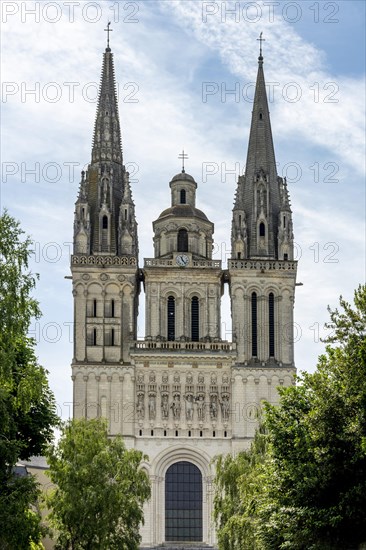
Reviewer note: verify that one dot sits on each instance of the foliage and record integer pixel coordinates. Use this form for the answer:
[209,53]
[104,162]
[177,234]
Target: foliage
[100,491]
[27,406]
[309,486]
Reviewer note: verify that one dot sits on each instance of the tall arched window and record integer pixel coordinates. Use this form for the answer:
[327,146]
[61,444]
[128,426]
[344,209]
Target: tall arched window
[182,240]
[271,325]
[94,336]
[183,503]
[254,326]
[105,222]
[171,318]
[262,230]
[195,319]
[182,196]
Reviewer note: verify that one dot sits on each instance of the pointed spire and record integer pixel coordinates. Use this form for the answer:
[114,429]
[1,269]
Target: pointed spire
[258,193]
[260,149]
[107,133]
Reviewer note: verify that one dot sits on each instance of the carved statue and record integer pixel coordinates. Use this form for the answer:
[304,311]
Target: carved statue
[176,407]
[213,407]
[165,407]
[140,407]
[200,408]
[152,409]
[225,407]
[189,407]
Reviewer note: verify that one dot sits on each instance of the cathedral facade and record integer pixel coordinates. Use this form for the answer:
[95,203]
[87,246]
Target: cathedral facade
[182,395]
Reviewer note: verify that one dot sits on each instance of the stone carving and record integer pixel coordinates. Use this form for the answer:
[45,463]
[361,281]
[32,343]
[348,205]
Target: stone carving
[176,407]
[200,400]
[140,407]
[213,407]
[225,407]
[189,407]
[164,407]
[152,407]
[165,378]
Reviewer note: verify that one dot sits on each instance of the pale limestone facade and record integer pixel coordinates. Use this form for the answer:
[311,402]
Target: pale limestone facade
[182,395]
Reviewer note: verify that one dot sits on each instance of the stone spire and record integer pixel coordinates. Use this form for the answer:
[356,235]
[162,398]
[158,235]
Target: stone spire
[258,199]
[105,185]
[107,131]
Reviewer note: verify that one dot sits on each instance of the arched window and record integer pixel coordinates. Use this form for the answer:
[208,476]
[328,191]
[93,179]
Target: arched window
[271,325]
[105,222]
[260,116]
[254,326]
[112,337]
[94,308]
[171,318]
[262,230]
[94,336]
[182,240]
[182,196]
[112,308]
[183,503]
[195,319]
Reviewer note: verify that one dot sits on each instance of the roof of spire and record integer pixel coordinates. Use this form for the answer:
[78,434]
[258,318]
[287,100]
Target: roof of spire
[260,148]
[107,133]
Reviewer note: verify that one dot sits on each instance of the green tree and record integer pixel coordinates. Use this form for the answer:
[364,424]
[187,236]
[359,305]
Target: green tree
[27,406]
[310,484]
[100,491]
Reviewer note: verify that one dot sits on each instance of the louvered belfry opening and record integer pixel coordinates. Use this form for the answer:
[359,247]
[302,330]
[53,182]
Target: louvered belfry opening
[171,318]
[195,319]
[254,326]
[271,325]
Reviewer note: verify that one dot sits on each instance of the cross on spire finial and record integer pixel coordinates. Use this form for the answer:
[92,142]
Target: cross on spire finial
[108,30]
[183,156]
[260,43]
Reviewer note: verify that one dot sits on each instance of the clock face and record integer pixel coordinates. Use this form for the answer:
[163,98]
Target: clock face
[182,260]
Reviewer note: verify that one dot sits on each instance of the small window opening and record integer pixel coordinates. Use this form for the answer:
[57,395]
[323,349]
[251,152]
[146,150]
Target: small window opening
[176,433]
[164,433]
[182,240]
[260,116]
[112,308]
[125,213]
[189,433]
[94,308]
[152,432]
[262,230]
[285,256]
[94,336]
[214,434]
[225,433]
[105,222]
[239,220]
[239,255]
[182,196]
[140,432]
[200,433]
[112,337]
[284,221]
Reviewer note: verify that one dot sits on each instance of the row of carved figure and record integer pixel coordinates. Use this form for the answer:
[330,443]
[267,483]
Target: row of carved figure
[191,402]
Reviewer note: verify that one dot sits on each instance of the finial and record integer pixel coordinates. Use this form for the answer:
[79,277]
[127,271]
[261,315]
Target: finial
[108,30]
[183,156]
[260,45]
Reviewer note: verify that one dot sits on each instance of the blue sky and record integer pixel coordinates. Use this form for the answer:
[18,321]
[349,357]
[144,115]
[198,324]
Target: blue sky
[168,56]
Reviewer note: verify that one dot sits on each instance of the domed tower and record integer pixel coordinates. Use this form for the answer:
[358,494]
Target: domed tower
[183,303]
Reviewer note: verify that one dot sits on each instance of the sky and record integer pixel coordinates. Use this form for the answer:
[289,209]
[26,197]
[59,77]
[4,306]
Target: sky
[185,73]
